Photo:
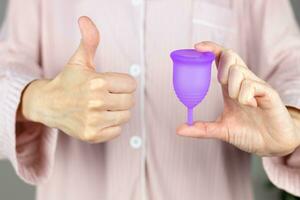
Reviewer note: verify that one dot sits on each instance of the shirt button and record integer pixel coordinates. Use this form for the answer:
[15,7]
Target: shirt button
[136,2]
[135,142]
[135,70]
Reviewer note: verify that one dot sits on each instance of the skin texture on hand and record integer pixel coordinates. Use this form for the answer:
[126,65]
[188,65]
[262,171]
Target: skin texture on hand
[254,118]
[295,114]
[79,101]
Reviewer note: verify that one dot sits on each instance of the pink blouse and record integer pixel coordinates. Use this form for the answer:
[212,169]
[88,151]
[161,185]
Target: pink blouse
[148,161]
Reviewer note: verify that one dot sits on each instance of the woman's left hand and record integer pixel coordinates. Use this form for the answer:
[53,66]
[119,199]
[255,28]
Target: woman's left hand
[254,117]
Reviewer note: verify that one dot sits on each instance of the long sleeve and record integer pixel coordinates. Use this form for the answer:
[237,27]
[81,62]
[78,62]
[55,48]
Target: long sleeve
[275,38]
[29,146]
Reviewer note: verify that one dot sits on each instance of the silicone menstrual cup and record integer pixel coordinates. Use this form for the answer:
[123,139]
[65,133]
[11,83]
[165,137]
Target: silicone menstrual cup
[191,77]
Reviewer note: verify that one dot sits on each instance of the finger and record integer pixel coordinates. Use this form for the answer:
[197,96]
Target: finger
[120,83]
[215,130]
[107,134]
[235,79]
[110,101]
[247,93]
[218,50]
[210,46]
[254,93]
[227,59]
[90,38]
[236,75]
[115,118]
[119,102]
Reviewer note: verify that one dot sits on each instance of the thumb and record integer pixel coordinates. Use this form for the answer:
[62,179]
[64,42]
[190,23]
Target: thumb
[86,51]
[215,130]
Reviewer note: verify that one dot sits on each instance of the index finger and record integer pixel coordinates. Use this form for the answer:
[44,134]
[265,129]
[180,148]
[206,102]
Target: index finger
[210,46]
[119,82]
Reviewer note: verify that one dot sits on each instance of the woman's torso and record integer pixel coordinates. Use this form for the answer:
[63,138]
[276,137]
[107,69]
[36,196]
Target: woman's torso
[176,168]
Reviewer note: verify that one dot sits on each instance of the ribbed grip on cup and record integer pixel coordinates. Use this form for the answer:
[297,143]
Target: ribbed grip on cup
[191,100]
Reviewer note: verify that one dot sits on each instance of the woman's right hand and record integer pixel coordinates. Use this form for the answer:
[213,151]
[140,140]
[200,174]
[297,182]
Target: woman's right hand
[79,101]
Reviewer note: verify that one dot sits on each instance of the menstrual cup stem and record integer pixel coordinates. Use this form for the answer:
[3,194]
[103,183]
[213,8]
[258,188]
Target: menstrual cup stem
[190,116]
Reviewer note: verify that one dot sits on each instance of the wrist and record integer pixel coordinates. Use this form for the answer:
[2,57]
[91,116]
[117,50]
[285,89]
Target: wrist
[32,103]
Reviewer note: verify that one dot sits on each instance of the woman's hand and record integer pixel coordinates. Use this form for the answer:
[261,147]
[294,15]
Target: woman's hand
[254,117]
[79,101]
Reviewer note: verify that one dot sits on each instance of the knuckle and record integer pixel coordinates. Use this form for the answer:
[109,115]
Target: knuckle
[229,51]
[239,70]
[231,93]
[89,131]
[223,75]
[97,83]
[241,99]
[235,71]
[232,53]
[247,84]
[88,136]
[95,103]
[222,80]
[235,68]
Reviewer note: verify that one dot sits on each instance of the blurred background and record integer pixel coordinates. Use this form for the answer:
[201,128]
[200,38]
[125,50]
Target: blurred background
[12,188]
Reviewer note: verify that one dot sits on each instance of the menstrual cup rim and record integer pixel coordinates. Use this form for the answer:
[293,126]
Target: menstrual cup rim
[191,55]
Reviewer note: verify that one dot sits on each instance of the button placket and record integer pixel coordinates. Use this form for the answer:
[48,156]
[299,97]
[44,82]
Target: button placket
[139,142]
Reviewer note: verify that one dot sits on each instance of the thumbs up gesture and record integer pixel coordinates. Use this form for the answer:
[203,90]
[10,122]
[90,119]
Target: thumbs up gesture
[79,101]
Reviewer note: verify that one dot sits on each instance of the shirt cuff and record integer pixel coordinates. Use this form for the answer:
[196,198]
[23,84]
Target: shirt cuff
[18,140]
[278,170]
[282,175]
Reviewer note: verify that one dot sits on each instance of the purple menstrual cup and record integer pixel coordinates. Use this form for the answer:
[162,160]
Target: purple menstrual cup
[191,77]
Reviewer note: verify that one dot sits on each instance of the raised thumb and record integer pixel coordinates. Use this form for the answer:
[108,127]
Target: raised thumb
[86,51]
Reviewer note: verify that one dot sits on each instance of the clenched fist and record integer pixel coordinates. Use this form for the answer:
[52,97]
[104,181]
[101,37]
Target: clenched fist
[79,101]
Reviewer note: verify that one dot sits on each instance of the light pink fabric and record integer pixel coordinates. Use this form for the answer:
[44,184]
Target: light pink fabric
[40,36]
